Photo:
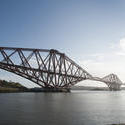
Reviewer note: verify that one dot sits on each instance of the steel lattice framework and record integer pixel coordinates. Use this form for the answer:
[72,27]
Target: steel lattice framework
[111,80]
[47,68]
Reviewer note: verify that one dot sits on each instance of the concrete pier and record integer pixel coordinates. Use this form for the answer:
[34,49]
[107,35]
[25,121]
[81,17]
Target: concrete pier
[114,87]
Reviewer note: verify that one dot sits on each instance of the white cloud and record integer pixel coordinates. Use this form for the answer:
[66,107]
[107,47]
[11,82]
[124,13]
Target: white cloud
[122,44]
[101,69]
[115,45]
[120,53]
[120,48]
[102,64]
[98,56]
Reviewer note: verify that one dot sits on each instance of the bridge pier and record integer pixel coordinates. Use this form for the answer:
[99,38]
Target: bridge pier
[114,87]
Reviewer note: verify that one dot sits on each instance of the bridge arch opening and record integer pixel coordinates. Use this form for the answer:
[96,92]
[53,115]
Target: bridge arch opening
[9,76]
[92,83]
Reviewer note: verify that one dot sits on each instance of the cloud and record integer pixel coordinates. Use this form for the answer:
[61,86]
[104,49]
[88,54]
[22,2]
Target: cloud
[120,53]
[102,64]
[120,48]
[98,56]
[114,46]
[100,69]
[122,44]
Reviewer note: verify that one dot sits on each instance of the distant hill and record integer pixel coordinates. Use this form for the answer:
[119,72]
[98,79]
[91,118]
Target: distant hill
[92,88]
[89,88]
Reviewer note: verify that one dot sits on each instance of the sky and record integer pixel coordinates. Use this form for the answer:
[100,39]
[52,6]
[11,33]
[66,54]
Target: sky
[91,32]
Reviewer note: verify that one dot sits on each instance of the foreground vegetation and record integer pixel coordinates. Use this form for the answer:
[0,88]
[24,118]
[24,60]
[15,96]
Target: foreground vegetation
[10,86]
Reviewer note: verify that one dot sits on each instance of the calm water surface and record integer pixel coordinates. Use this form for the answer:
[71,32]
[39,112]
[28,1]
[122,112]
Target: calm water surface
[75,108]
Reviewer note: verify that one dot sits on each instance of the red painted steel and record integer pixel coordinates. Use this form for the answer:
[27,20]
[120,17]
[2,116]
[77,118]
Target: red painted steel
[47,68]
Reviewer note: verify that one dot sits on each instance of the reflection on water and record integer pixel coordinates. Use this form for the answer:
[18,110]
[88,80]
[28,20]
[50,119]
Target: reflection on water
[75,108]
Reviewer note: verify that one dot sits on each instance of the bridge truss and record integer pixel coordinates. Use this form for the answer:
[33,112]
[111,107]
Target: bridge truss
[111,80]
[47,68]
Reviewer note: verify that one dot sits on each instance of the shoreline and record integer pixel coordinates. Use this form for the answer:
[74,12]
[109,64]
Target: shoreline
[44,91]
[17,90]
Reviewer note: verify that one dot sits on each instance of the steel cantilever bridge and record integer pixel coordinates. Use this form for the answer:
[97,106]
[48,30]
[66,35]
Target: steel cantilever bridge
[49,68]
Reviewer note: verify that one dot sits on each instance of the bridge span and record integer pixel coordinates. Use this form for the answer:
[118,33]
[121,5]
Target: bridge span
[49,69]
[111,80]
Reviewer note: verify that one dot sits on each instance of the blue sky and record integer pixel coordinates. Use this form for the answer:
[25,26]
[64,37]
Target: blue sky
[89,31]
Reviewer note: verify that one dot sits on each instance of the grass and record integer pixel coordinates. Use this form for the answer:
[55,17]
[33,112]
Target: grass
[4,89]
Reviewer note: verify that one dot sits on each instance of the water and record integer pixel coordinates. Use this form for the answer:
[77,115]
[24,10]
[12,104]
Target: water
[75,108]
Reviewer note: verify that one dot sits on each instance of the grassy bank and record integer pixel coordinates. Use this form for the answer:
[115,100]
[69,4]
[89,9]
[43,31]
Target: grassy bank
[10,86]
[4,89]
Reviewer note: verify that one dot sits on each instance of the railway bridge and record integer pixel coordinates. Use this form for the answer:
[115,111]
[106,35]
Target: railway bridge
[49,69]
